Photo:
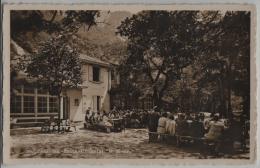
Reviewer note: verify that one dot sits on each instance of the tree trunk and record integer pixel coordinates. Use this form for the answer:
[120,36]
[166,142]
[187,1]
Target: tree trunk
[156,98]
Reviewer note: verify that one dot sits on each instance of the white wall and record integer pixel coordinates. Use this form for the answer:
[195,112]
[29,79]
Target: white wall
[89,89]
[75,111]
[92,88]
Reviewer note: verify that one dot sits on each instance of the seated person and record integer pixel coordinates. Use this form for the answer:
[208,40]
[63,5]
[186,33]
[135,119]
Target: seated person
[197,128]
[167,123]
[182,126]
[162,124]
[201,117]
[98,117]
[92,118]
[189,117]
[134,120]
[208,120]
[116,115]
[216,129]
[105,121]
[111,115]
[87,115]
[171,125]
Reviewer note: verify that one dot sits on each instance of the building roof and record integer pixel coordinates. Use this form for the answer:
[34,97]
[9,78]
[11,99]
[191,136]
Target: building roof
[95,61]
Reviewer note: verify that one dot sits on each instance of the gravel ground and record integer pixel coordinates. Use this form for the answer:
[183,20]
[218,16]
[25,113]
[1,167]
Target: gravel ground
[131,143]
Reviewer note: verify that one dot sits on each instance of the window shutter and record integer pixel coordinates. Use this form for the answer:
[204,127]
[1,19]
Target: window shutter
[90,76]
[84,70]
[93,103]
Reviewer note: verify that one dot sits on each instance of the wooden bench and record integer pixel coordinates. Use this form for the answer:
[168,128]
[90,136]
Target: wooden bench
[25,124]
[26,121]
[202,143]
[20,123]
[32,118]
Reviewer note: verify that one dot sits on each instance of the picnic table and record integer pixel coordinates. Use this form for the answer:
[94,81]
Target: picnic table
[117,124]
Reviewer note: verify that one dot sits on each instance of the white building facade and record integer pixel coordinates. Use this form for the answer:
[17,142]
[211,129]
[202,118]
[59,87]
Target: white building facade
[94,91]
[30,104]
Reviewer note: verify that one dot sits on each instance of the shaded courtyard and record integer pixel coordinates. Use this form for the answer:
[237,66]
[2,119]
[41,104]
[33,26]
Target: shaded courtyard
[131,143]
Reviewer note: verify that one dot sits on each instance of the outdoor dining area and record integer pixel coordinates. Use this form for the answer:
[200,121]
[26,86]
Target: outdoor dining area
[201,133]
[206,131]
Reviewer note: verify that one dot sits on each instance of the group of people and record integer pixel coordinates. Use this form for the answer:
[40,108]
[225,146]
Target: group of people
[182,124]
[134,118]
[196,125]
[97,117]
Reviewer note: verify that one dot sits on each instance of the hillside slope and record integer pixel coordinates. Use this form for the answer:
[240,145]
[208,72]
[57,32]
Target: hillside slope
[99,41]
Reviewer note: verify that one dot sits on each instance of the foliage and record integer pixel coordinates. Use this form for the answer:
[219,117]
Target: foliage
[223,68]
[211,47]
[56,61]
[160,45]
[50,21]
[56,65]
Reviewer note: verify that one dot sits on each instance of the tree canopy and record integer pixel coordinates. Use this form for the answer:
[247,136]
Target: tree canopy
[56,65]
[205,56]
[224,67]
[160,44]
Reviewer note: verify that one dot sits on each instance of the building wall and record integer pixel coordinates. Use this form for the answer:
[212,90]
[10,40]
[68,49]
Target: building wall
[77,100]
[75,107]
[89,93]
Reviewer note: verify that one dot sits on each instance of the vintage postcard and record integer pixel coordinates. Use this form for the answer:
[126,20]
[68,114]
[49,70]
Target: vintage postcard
[129,84]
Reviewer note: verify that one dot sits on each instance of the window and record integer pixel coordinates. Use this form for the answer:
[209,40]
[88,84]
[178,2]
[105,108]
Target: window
[30,100]
[96,74]
[42,104]
[98,103]
[16,104]
[28,104]
[53,104]
[76,102]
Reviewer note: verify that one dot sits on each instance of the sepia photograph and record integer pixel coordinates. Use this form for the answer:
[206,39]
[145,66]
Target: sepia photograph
[130,84]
